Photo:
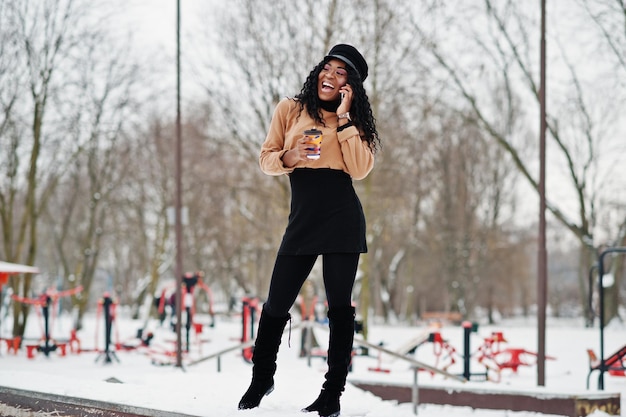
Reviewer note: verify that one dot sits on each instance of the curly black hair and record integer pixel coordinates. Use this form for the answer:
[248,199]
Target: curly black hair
[361,111]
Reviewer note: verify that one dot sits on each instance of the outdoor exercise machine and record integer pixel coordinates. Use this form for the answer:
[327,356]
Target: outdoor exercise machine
[145,341]
[190,282]
[468,329]
[496,355]
[445,354]
[604,364]
[107,309]
[107,305]
[493,353]
[46,304]
[614,364]
[249,307]
[441,347]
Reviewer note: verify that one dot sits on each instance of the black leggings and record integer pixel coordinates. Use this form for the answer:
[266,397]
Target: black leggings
[290,272]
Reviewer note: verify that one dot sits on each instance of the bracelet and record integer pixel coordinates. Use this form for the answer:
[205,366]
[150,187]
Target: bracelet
[340,128]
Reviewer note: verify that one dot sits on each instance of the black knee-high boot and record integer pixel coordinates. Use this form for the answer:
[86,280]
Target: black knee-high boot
[341,321]
[264,355]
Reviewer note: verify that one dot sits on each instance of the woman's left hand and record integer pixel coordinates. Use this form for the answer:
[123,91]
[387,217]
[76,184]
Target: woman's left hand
[346,102]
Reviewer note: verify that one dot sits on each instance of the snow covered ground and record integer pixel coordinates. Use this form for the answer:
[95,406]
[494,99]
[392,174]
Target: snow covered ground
[202,390]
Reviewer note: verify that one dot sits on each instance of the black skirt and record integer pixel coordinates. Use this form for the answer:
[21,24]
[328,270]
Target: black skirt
[326,214]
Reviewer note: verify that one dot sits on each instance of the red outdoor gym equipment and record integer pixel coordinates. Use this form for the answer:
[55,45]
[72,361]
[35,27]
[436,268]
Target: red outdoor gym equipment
[46,302]
[250,306]
[496,356]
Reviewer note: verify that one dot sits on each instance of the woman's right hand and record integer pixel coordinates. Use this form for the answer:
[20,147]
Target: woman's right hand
[293,156]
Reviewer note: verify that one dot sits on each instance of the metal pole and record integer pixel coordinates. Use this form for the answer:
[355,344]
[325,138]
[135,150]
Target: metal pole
[415,390]
[542,256]
[467,329]
[601,294]
[178,226]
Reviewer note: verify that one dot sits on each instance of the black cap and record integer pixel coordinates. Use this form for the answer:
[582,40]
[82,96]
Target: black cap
[352,57]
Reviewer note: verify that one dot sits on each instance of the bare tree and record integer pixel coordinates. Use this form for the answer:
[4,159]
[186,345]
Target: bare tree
[73,103]
[140,207]
[507,44]
[43,32]
[107,88]
[609,17]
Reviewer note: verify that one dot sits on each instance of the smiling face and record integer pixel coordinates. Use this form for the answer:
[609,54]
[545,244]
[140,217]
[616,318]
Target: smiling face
[333,76]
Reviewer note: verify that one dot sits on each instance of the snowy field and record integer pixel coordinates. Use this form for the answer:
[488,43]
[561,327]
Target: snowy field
[200,390]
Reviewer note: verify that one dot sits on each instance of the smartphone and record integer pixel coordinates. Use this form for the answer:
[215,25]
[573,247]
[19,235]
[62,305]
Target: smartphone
[342,96]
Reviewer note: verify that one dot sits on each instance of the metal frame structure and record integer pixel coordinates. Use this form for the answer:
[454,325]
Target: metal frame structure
[600,267]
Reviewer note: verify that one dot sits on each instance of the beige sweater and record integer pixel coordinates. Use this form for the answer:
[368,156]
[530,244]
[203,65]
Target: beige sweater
[343,150]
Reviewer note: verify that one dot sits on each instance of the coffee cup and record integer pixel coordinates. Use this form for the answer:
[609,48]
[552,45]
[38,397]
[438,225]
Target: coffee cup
[314,142]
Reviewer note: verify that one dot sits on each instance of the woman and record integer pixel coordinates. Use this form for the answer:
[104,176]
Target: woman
[326,215]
